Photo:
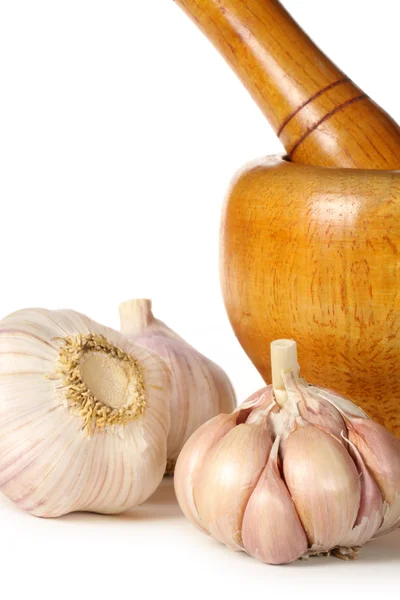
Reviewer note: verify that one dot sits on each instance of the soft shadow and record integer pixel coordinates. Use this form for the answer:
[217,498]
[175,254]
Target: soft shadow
[385,549]
[162,505]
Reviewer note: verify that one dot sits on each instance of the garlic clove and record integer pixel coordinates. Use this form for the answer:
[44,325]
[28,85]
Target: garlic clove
[324,484]
[192,458]
[340,485]
[272,531]
[226,481]
[84,415]
[380,451]
[200,389]
[370,514]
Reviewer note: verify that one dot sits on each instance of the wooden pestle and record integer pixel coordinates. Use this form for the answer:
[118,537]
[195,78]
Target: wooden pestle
[321,117]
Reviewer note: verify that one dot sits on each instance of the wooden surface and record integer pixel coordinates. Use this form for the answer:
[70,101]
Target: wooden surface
[312,254]
[321,117]
[308,252]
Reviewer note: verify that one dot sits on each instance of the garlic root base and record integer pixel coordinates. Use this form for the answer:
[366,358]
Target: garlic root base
[340,553]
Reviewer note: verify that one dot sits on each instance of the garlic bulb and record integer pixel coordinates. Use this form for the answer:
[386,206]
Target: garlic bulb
[84,415]
[200,389]
[295,471]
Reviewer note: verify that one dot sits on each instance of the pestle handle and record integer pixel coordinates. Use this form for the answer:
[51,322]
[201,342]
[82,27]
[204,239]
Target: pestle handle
[321,117]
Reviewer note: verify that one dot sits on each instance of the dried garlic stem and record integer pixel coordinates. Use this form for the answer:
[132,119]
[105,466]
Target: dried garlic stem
[136,316]
[283,360]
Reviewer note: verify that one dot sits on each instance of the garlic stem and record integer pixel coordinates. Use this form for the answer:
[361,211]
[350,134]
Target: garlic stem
[135,316]
[283,360]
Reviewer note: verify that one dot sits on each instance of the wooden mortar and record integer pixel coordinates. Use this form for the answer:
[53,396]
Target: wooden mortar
[311,242]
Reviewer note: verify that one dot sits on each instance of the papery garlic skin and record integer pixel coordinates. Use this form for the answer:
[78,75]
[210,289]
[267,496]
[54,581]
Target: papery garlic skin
[377,446]
[324,484]
[371,511]
[271,530]
[320,412]
[228,478]
[62,448]
[330,483]
[200,389]
[254,409]
[199,445]
[191,460]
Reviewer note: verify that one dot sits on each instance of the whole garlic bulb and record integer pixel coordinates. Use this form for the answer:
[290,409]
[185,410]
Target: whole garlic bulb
[84,415]
[295,471]
[200,389]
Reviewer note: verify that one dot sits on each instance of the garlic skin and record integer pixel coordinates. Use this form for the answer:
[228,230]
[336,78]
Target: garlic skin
[84,415]
[377,446]
[191,460]
[294,471]
[271,530]
[327,506]
[192,457]
[371,512]
[232,470]
[200,389]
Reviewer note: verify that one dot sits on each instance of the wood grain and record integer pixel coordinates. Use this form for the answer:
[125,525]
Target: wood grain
[321,117]
[312,254]
[309,252]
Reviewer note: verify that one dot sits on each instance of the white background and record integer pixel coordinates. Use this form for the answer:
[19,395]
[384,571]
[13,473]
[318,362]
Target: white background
[120,128]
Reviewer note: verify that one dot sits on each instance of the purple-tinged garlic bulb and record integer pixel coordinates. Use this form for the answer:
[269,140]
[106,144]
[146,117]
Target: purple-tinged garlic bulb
[295,471]
[200,389]
[84,415]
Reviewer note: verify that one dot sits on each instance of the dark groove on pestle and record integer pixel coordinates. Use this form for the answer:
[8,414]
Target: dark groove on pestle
[314,97]
[325,118]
